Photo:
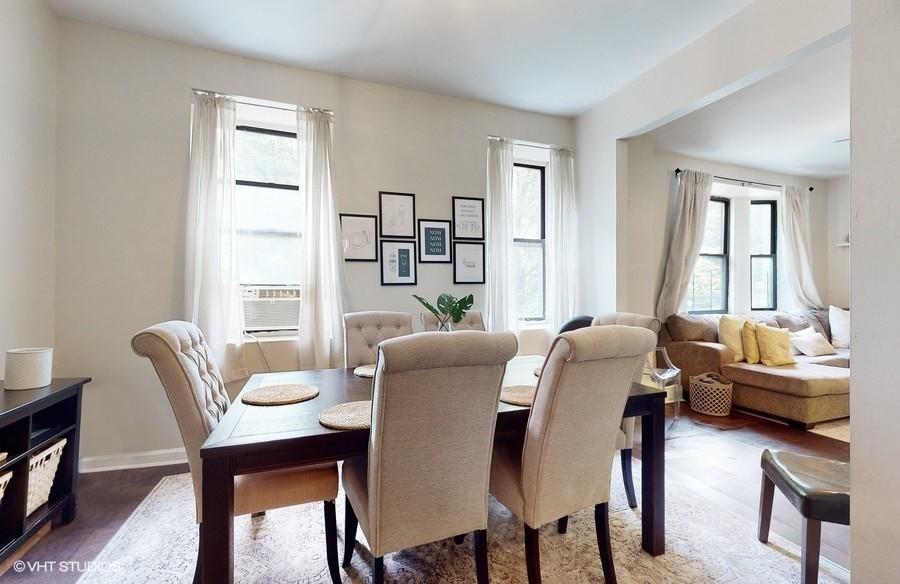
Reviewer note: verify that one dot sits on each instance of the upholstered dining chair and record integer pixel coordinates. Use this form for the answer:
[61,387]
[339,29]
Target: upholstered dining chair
[434,408]
[196,391]
[472,321]
[564,463]
[364,330]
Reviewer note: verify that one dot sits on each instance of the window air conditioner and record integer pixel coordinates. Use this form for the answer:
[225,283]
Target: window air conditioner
[269,308]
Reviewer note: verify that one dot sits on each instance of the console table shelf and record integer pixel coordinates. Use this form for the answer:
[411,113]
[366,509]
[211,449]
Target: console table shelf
[31,420]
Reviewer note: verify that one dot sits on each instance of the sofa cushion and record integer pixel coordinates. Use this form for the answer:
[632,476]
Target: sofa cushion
[798,321]
[801,379]
[841,358]
[694,327]
[774,346]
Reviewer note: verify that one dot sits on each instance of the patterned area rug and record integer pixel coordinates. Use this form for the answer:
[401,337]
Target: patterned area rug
[838,429]
[158,543]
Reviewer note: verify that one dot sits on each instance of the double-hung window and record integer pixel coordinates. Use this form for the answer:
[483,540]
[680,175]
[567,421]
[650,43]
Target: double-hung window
[270,216]
[528,241]
[763,264]
[708,290]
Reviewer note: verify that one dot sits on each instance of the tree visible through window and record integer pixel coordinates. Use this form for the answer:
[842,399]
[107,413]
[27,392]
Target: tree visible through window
[708,290]
[528,240]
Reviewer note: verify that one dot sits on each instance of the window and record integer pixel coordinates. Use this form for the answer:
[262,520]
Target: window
[528,240]
[270,216]
[708,290]
[763,264]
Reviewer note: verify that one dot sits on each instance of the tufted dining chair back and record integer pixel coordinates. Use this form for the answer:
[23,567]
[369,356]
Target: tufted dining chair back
[193,383]
[364,330]
[472,321]
[574,422]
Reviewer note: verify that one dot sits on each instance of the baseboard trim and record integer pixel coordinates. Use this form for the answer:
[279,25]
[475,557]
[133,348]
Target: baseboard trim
[132,460]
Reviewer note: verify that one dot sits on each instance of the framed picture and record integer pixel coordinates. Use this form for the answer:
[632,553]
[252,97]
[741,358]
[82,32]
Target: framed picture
[468,218]
[434,241]
[359,237]
[398,214]
[398,263]
[468,262]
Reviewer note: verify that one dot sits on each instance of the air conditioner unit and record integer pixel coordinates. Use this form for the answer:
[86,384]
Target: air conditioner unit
[269,308]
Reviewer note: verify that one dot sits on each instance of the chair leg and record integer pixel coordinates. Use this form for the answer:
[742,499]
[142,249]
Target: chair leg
[257,514]
[350,524]
[459,539]
[331,542]
[766,495]
[533,555]
[562,524]
[198,574]
[809,560]
[628,477]
[601,519]
[378,571]
[481,557]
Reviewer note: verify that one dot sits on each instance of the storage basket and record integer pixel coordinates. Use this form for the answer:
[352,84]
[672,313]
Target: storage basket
[4,482]
[41,472]
[28,368]
[711,394]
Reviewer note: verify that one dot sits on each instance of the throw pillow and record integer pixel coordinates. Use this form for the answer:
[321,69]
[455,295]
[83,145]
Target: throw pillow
[814,345]
[839,320]
[774,346]
[801,333]
[748,338]
[730,332]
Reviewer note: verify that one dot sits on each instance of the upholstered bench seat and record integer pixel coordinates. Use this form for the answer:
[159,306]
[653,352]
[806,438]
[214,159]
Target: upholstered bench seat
[817,487]
[801,380]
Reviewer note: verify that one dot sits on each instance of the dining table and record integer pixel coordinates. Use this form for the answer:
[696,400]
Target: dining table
[250,439]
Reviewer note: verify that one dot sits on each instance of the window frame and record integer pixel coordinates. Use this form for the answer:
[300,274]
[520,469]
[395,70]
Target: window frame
[542,241]
[773,204]
[726,247]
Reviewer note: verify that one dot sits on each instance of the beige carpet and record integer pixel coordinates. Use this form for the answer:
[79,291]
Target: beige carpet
[837,429]
[158,544]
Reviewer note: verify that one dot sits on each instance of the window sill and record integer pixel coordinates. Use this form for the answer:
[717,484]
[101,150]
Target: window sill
[270,338]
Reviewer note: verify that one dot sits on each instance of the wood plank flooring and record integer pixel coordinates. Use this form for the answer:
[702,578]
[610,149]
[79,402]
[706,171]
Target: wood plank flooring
[717,458]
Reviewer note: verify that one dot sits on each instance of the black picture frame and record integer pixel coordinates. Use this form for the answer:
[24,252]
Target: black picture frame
[456,222]
[400,234]
[448,232]
[375,245]
[457,256]
[386,258]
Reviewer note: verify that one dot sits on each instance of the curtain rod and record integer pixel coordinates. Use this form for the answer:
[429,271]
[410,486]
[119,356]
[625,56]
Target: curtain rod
[530,144]
[745,182]
[274,107]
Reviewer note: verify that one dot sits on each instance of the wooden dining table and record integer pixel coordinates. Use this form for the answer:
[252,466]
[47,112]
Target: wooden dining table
[251,439]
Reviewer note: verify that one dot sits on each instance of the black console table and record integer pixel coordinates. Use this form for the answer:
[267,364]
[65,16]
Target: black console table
[31,420]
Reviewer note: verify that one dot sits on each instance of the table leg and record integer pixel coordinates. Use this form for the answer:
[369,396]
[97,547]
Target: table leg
[217,527]
[653,496]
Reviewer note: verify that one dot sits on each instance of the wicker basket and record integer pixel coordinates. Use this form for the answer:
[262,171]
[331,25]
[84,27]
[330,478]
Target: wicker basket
[4,482]
[711,394]
[41,472]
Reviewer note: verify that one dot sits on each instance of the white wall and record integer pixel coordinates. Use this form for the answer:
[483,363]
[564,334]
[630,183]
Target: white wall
[838,229]
[644,219]
[124,119]
[875,280]
[28,36]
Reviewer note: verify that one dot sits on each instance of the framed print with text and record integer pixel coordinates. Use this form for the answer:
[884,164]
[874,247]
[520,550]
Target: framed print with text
[398,214]
[468,218]
[434,241]
[398,263]
[468,262]
[359,237]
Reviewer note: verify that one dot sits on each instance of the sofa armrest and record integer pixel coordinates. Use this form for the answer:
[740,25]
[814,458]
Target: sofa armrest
[696,357]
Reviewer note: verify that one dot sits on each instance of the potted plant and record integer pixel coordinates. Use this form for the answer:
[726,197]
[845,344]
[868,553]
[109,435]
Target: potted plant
[449,308]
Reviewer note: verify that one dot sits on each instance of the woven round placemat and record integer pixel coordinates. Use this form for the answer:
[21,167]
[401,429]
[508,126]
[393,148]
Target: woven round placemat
[518,395]
[364,371]
[280,395]
[537,370]
[349,416]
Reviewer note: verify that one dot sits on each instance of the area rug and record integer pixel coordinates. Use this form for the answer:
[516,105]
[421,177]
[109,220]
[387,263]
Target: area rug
[837,429]
[704,544]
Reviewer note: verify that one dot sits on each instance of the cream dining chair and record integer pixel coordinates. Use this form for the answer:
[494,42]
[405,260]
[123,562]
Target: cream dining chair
[472,321]
[196,391]
[364,330]
[564,463]
[434,409]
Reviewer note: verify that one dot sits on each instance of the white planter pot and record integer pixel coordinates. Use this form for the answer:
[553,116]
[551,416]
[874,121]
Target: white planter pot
[28,368]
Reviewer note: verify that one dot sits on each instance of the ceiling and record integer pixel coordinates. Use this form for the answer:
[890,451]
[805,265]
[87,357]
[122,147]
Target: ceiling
[558,57]
[788,122]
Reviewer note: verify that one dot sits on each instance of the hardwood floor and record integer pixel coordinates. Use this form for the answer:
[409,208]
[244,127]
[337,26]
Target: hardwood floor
[717,458]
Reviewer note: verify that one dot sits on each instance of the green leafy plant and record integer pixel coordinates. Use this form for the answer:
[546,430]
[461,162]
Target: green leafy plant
[449,307]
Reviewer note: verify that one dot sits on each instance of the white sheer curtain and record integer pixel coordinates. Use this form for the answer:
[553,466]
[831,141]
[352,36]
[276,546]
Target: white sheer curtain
[213,293]
[691,202]
[561,237]
[798,264]
[500,304]
[321,336]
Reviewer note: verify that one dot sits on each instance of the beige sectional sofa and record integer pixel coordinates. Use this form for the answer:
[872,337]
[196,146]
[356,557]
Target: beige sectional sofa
[814,390]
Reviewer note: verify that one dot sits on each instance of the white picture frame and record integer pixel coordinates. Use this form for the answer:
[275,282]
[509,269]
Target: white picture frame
[468,262]
[398,263]
[359,237]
